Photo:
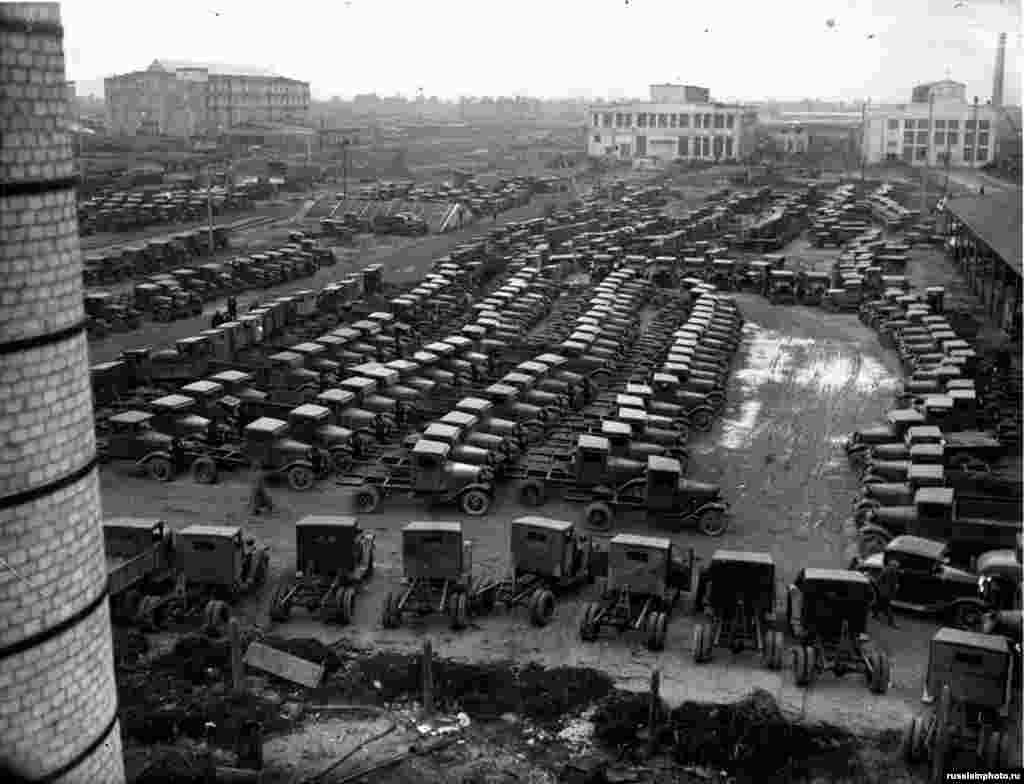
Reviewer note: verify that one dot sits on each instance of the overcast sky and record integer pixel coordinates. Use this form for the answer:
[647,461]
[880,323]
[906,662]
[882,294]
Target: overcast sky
[740,49]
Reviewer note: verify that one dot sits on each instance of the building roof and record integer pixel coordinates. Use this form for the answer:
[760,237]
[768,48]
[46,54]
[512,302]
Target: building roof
[219,69]
[995,218]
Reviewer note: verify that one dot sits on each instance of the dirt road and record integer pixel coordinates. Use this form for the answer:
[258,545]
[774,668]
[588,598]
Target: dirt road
[802,380]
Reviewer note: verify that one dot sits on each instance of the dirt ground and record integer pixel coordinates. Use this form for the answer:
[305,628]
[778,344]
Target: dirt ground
[802,380]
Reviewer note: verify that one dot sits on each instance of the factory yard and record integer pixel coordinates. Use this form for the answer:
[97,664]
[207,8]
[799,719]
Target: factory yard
[802,380]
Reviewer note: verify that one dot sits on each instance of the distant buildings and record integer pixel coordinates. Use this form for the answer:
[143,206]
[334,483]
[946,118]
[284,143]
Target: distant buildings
[679,121]
[960,131]
[175,98]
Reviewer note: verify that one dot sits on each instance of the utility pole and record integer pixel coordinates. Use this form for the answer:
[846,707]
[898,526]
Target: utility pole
[209,206]
[863,137]
[927,155]
[344,167]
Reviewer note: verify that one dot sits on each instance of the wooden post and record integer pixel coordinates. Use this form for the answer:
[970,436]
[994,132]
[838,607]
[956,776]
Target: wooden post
[237,665]
[652,714]
[427,671]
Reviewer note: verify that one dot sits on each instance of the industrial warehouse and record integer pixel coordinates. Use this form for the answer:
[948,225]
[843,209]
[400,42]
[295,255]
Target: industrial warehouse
[462,438]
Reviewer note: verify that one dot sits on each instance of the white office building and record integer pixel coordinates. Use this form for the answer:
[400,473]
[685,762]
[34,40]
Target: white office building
[679,121]
[939,122]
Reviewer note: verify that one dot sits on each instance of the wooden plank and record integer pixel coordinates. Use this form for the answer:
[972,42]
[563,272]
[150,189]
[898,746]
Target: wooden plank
[284,665]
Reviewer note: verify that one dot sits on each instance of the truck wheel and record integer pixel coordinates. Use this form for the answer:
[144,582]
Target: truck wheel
[392,616]
[702,418]
[712,522]
[300,478]
[345,603]
[914,740]
[588,628]
[475,502]
[967,616]
[204,471]
[341,461]
[542,607]
[702,648]
[459,612]
[531,493]
[598,516]
[879,673]
[367,499]
[996,751]
[280,607]
[658,631]
[871,542]
[803,665]
[160,468]
[216,615]
[534,432]
[771,656]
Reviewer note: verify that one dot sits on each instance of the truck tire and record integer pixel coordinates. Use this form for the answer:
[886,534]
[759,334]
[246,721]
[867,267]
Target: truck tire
[803,665]
[204,471]
[914,740]
[391,617]
[280,607]
[771,656]
[346,605]
[542,607]
[475,502]
[459,612]
[216,615]
[702,418]
[702,643]
[300,478]
[658,631]
[599,516]
[712,522]
[878,675]
[531,493]
[341,461]
[160,468]
[367,499]
[588,629]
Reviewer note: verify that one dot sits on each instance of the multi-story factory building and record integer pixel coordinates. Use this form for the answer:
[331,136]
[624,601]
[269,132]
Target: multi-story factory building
[175,98]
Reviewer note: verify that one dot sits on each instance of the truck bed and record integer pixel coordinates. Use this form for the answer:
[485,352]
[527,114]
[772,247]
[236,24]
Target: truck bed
[123,572]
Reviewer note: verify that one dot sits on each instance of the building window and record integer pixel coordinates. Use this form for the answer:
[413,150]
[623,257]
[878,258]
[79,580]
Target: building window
[684,146]
[894,125]
[970,124]
[663,121]
[969,137]
[922,137]
[968,154]
[597,138]
[618,119]
[982,153]
[673,120]
[629,120]
[707,120]
[719,121]
[953,125]
[952,138]
[983,138]
[728,145]
[717,146]
[908,137]
[909,123]
[706,144]
[730,121]
[641,121]
[607,119]
[908,154]
[652,121]
[922,124]
[940,138]
[684,121]
[922,153]
[940,124]
[983,125]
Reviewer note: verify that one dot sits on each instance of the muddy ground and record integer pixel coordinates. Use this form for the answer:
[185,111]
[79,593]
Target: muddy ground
[802,380]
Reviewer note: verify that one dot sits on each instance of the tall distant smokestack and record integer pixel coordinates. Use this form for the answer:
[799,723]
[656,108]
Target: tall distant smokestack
[998,76]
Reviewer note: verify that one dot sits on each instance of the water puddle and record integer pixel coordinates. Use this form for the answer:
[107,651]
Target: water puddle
[737,431]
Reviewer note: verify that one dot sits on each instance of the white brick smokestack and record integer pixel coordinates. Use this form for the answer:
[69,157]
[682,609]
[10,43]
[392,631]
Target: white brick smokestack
[58,699]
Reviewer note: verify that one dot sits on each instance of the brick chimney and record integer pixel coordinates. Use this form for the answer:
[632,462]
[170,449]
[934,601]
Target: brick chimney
[58,700]
[1000,73]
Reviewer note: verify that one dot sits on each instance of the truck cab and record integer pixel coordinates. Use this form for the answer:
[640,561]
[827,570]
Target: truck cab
[175,415]
[368,426]
[311,423]
[218,557]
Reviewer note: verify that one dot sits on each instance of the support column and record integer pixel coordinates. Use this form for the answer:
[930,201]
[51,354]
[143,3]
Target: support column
[58,699]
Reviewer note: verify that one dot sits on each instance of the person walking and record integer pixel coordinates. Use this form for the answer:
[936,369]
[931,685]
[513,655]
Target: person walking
[885,590]
[260,501]
[232,308]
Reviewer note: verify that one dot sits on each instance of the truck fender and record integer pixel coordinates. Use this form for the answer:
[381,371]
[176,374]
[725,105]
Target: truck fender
[141,462]
[713,506]
[486,487]
[602,493]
